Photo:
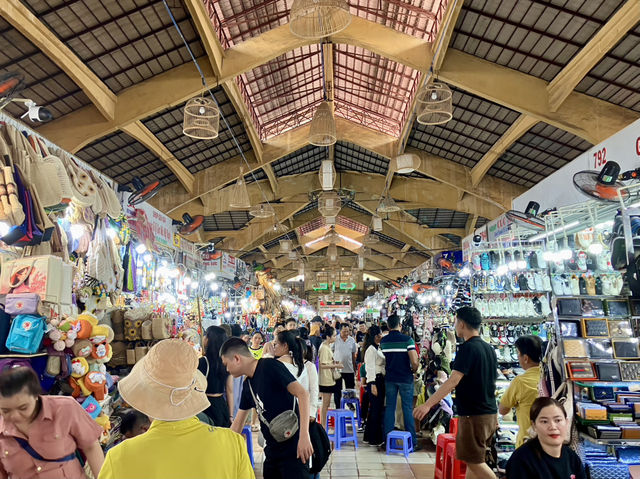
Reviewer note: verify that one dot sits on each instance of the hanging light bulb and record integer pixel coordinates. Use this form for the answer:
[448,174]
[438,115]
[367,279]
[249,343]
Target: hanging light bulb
[201,119]
[322,131]
[434,104]
[332,253]
[315,19]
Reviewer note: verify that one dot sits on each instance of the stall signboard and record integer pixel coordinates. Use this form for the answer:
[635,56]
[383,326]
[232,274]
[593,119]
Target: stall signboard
[334,285]
[190,253]
[227,266]
[151,226]
[557,190]
[498,228]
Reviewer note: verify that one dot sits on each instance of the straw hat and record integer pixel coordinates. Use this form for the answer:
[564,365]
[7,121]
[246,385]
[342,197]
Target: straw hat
[166,384]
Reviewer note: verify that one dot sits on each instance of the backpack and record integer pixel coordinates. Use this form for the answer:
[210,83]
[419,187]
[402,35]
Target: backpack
[26,333]
[321,447]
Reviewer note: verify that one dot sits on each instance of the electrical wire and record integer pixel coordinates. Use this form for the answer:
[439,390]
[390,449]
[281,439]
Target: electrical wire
[224,119]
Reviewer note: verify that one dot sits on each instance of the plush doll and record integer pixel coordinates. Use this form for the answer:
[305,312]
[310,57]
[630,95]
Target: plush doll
[96,382]
[101,336]
[81,327]
[61,334]
[82,348]
[79,369]
[103,420]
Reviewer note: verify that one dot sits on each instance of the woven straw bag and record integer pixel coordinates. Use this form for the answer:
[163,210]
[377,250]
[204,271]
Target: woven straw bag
[83,189]
[45,171]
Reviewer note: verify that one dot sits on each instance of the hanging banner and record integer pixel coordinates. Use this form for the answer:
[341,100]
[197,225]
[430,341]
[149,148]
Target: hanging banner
[557,189]
[151,226]
[498,228]
[190,253]
[242,270]
[228,266]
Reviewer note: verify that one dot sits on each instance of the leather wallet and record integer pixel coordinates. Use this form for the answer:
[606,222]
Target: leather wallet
[626,348]
[608,371]
[620,328]
[574,348]
[569,307]
[630,370]
[597,328]
[600,349]
[617,308]
[581,370]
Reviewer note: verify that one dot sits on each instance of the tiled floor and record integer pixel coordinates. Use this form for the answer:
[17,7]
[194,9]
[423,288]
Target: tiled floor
[367,462]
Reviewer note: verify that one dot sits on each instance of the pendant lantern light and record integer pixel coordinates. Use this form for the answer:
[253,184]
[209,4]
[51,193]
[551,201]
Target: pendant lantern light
[434,104]
[406,163]
[376,223]
[279,227]
[293,255]
[262,211]
[327,175]
[371,239]
[360,262]
[286,245]
[332,237]
[330,220]
[322,131]
[329,203]
[239,194]
[387,205]
[201,119]
[314,19]
[332,253]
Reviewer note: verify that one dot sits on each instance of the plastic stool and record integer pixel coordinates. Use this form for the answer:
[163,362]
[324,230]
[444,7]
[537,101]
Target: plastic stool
[441,448]
[246,432]
[340,435]
[407,442]
[356,402]
[455,469]
[453,426]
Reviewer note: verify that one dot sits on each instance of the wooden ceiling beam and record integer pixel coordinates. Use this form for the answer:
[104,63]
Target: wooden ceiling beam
[141,133]
[515,131]
[18,15]
[590,55]
[528,94]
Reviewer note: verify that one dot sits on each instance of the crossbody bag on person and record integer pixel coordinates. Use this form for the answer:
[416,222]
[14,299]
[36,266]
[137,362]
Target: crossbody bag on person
[284,425]
[24,444]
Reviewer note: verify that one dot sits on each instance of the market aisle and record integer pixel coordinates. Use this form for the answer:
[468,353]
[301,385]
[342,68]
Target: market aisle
[368,462]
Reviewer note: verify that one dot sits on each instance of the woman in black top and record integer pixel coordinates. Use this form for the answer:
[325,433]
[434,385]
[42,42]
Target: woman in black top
[546,456]
[219,381]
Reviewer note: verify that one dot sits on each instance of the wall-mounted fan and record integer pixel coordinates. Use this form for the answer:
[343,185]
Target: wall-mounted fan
[603,185]
[11,83]
[190,224]
[529,219]
[143,192]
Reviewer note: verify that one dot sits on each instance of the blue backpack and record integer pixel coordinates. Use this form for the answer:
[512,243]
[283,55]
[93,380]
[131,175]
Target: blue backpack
[25,336]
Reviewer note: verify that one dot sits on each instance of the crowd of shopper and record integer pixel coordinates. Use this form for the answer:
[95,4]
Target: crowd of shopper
[285,383]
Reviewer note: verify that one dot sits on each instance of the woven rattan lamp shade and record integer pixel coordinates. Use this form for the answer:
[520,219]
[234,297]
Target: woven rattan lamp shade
[434,105]
[332,237]
[286,246]
[332,253]
[329,203]
[322,131]
[315,19]
[327,175]
[262,211]
[387,205]
[406,163]
[201,119]
[240,195]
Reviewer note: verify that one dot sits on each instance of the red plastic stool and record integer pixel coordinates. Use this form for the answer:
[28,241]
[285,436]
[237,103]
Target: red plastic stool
[441,448]
[453,426]
[454,469]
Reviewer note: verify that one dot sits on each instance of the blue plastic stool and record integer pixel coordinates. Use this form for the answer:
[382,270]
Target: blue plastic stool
[407,442]
[340,434]
[356,402]
[246,432]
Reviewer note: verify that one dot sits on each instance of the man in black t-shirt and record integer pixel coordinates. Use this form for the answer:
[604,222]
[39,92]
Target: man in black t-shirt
[473,376]
[275,390]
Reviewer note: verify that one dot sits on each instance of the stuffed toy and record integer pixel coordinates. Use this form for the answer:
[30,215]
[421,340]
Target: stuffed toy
[61,334]
[101,336]
[103,420]
[82,348]
[96,383]
[79,369]
[81,327]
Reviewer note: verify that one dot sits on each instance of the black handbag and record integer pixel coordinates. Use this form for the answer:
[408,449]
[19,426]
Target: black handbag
[321,447]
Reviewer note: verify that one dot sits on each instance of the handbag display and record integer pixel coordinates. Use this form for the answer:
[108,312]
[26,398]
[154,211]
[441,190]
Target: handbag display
[26,333]
[608,371]
[41,275]
[160,324]
[284,426]
[141,350]
[145,330]
[21,303]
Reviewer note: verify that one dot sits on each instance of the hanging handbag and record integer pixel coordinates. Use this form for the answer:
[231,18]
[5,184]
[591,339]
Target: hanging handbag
[21,303]
[41,275]
[26,333]
[160,326]
[284,426]
[141,350]
[131,355]
[145,330]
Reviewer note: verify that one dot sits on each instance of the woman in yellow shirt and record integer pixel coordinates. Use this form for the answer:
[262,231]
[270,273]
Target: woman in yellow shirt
[523,390]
